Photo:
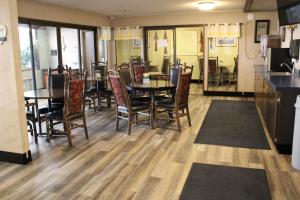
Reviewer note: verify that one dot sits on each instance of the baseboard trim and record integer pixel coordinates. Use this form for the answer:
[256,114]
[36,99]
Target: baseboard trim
[17,158]
[228,94]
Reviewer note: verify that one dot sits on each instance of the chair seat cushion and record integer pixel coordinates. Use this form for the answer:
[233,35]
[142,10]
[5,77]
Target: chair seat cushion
[57,114]
[135,106]
[165,103]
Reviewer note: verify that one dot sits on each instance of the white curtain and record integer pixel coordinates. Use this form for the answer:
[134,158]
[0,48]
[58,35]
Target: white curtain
[224,30]
[104,33]
[128,33]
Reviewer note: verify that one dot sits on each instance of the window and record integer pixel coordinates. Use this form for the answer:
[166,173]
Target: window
[70,47]
[26,57]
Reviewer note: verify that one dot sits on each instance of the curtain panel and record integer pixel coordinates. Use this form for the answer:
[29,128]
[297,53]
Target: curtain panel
[104,33]
[128,33]
[224,30]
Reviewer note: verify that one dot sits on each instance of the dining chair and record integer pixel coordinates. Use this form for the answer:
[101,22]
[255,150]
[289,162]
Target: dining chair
[73,110]
[180,103]
[126,107]
[165,65]
[213,71]
[31,118]
[102,90]
[201,68]
[233,76]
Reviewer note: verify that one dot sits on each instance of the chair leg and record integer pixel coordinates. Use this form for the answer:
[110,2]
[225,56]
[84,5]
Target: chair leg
[47,129]
[35,132]
[178,120]
[68,132]
[129,123]
[85,128]
[188,116]
[117,120]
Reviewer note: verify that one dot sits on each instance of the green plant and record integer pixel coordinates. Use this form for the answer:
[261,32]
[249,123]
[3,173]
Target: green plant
[25,57]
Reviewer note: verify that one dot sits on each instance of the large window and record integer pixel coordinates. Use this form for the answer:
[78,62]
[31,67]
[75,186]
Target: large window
[45,52]
[70,47]
[49,44]
[26,57]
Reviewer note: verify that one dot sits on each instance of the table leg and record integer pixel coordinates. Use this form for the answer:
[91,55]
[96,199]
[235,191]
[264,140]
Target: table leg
[152,114]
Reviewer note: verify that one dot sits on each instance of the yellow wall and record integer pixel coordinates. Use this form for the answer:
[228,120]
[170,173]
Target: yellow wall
[246,61]
[44,11]
[125,50]
[225,55]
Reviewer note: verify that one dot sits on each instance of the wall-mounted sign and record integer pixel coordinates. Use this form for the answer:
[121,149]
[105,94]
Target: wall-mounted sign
[3,34]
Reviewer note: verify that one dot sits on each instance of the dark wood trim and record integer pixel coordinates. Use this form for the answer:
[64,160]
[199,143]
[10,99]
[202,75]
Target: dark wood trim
[17,158]
[79,49]
[59,50]
[54,23]
[268,28]
[32,55]
[248,5]
[96,44]
[196,81]
[230,94]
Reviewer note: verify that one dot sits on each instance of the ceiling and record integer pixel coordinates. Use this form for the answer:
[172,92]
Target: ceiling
[120,8]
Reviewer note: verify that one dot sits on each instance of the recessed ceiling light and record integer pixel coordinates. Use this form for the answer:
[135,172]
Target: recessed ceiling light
[206,5]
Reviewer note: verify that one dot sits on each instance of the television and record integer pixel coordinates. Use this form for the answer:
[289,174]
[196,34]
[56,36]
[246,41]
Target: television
[288,12]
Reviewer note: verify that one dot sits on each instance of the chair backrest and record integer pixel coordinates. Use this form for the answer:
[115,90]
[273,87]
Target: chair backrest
[235,69]
[136,60]
[212,66]
[60,69]
[174,72]
[165,65]
[74,102]
[183,87]
[118,88]
[188,69]
[125,73]
[137,72]
[201,64]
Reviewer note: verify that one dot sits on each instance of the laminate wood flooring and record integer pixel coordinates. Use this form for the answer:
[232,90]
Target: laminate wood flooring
[149,164]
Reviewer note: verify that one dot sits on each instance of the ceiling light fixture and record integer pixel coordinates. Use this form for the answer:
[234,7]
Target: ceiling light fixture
[206,6]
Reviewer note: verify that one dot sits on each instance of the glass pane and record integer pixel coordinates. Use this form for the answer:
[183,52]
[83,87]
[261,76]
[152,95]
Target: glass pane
[26,56]
[190,49]
[87,49]
[70,47]
[126,49]
[45,53]
[222,64]
[160,44]
[103,50]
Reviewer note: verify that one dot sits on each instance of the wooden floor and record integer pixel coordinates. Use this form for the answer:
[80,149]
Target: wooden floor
[149,164]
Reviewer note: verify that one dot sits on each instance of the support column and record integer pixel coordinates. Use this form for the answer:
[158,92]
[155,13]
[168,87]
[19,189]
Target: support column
[14,145]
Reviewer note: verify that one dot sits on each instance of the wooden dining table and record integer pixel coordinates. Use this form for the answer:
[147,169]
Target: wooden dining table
[152,87]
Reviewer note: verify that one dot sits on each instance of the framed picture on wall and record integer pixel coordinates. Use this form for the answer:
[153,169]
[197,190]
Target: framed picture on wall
[262,27]
[136,44]
[226,42]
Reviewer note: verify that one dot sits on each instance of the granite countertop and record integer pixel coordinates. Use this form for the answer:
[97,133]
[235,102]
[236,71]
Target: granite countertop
[280,82]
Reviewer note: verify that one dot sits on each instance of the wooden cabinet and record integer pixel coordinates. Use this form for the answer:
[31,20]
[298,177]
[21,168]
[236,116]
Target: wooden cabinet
[278,112]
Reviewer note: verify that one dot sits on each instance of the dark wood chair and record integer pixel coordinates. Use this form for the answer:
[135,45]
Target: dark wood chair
[32,119]
[201,68]
[73,110]
[102,89]
[180,103]
[213,71]
[165,65]
[233,76]
[126,107]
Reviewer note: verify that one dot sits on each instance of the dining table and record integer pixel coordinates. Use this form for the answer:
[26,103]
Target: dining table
[152,87]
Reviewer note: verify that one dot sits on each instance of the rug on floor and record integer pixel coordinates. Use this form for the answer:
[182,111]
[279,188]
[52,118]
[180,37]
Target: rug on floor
[234,124]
